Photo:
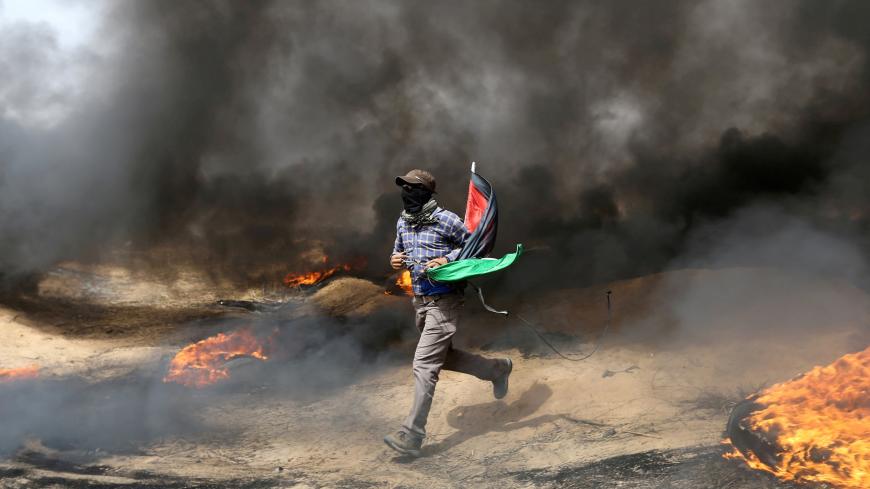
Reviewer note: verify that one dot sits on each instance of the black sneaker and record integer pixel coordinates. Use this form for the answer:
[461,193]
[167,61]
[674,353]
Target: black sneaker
[500,385]
[404,443]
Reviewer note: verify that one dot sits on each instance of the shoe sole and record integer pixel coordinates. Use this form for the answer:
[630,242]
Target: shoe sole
[403,451]
[507,380]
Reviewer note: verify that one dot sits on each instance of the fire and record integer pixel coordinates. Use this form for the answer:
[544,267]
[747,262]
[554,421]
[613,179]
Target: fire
[820,425]
[203,363]
[315,277]
[13,374]
[404,281]
[311,278]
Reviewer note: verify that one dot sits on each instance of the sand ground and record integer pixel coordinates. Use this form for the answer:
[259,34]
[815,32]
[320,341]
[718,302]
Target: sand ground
[662,382]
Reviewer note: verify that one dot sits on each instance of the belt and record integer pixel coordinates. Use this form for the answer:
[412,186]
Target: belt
[436,296]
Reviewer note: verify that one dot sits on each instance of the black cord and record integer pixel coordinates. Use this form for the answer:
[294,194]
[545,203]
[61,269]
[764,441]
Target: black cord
[541,336]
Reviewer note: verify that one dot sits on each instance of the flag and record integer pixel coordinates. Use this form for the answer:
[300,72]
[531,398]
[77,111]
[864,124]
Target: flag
[481,218]
[461,270]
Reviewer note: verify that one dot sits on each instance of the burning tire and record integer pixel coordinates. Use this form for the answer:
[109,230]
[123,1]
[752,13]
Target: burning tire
[745,440]
[813,428]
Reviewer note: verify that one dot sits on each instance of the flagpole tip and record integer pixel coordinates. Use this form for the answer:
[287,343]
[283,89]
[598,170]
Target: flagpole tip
[472,166]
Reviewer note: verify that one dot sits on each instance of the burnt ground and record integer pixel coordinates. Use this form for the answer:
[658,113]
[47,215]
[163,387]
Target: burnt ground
[136,324]
[695,468]
[678,469]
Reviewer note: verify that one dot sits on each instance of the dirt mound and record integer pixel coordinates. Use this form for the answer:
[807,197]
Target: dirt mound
[348,296]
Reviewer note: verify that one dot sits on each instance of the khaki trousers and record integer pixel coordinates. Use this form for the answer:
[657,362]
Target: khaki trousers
[437,318]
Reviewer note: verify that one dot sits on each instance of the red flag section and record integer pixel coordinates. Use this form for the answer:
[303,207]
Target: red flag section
[475,207]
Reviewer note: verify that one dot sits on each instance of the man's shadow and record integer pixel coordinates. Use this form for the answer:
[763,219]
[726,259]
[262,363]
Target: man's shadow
[479,419]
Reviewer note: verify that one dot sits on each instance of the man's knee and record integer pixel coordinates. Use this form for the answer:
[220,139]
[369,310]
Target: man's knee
[426,373]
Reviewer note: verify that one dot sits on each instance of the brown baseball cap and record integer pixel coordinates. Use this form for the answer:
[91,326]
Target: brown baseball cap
[419,177]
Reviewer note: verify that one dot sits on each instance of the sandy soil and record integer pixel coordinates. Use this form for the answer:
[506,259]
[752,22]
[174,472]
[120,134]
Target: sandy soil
[685,345]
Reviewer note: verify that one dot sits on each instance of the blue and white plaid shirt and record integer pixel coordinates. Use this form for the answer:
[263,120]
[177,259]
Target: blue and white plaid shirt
[429,241]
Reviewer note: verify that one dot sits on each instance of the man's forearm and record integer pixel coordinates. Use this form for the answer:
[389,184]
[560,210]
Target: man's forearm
[453,254]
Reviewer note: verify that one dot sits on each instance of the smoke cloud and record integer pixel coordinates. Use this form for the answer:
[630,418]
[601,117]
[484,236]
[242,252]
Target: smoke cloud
[238,135]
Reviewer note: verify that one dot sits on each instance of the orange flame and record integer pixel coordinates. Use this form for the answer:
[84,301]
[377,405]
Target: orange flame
[13,374]
[820,423]
[404,281]
[203,363]
[311,278]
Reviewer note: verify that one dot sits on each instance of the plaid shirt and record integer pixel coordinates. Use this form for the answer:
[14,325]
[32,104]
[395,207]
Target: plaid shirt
[426,242]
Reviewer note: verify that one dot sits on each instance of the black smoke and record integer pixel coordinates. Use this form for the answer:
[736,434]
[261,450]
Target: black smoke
[237,135]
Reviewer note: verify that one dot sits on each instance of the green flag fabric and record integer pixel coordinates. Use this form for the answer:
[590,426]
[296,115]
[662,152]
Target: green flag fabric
[460,270]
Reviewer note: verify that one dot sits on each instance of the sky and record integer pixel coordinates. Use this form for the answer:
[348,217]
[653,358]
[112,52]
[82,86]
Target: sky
[73,21]
[46,50]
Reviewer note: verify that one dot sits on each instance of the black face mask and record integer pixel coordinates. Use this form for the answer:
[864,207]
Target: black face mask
[415,198]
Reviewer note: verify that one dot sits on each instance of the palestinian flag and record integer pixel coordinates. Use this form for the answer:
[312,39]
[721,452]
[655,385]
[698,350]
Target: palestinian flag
[481,220]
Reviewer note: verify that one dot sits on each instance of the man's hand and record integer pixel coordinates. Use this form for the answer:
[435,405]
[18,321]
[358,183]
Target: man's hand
[397,260]
[437,262]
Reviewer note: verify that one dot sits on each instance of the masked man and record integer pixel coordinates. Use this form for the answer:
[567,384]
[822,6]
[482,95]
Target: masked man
[428,236]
